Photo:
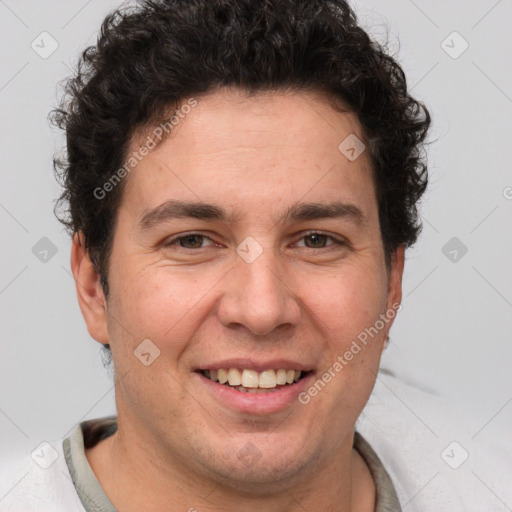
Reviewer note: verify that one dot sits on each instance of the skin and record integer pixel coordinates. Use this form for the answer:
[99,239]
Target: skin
[303,299]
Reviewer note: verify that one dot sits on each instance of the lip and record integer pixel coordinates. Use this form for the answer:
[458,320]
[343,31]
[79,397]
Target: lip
[252,364]
[254,403]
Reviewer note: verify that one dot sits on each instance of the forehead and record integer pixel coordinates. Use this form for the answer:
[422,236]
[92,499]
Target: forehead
[231,117]
[243,149]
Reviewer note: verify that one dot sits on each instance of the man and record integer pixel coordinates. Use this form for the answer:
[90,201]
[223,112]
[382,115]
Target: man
[242,180]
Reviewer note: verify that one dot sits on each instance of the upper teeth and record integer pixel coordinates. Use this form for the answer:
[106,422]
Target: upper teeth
[253,379]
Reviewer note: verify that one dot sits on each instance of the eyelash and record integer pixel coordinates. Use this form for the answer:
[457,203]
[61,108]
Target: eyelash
[174,240]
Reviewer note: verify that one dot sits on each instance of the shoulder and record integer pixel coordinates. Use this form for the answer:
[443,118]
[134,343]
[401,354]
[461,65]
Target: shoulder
[433,454]
[38,481]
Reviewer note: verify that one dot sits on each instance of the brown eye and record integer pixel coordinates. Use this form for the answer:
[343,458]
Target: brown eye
[188,241]
[316,240]
[191,241]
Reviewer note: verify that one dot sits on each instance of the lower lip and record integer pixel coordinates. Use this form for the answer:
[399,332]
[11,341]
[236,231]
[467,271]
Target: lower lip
[256,403]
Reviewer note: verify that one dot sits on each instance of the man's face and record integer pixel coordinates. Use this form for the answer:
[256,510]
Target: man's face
[272,284]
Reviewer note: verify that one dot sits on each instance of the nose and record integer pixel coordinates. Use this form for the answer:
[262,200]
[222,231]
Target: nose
[259,296]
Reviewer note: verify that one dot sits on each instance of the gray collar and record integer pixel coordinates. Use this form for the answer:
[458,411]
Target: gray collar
[94,499]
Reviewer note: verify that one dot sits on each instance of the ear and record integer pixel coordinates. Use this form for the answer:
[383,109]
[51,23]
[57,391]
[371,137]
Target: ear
[395,274]
[91,299]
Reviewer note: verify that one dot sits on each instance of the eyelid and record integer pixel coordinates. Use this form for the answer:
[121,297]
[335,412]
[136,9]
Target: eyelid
[172,240]
[303,234]
[339,241]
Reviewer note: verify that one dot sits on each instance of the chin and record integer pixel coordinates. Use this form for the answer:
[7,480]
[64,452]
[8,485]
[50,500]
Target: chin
[257,464]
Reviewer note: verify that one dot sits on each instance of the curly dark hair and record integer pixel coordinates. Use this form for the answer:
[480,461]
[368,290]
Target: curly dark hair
[150,58]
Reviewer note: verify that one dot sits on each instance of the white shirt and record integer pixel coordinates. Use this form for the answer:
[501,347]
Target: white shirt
[434,460]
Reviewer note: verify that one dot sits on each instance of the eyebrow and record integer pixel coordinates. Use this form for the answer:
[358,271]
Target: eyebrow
[176,209]
[332,210]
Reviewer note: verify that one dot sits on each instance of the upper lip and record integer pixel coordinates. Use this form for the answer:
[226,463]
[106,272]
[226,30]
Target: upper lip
[252,364]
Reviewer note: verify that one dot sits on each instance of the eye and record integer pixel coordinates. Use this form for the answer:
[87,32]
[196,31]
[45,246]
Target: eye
[319,241]
[313,240]
[190,241]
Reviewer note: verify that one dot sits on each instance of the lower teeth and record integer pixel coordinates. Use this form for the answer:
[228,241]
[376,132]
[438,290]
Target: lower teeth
[242,389]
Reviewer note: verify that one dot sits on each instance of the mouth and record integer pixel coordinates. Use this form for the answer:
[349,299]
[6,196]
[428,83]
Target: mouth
[254,388]
[252,381]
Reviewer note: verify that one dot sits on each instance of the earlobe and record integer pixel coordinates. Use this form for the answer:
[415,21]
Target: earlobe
[91,298]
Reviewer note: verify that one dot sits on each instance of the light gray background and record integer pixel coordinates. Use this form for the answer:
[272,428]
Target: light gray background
[453,334]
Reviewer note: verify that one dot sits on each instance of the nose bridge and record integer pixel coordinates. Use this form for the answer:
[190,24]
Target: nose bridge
[257,295]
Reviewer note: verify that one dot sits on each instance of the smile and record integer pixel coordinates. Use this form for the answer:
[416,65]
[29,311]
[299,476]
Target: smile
[252,381]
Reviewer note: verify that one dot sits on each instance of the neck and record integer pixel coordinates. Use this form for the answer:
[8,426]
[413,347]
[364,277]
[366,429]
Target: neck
[137,478]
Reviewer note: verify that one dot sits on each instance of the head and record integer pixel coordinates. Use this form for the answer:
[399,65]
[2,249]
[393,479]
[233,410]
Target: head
[241,181]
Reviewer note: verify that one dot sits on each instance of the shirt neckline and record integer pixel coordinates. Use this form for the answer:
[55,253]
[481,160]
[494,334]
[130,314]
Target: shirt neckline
[88,433]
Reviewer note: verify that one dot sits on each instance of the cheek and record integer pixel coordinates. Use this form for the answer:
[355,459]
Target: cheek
[348,315]
[351,300]
[159,303]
